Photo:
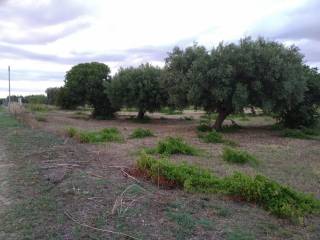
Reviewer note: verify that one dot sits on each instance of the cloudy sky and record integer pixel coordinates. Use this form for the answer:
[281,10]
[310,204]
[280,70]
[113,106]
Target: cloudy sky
[42,39]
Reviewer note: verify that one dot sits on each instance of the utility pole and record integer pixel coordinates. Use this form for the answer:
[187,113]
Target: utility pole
[9,86]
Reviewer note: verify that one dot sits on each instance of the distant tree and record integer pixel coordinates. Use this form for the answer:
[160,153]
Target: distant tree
[257,73]
[52,95]
[137,87]
[36,99]
[84,83]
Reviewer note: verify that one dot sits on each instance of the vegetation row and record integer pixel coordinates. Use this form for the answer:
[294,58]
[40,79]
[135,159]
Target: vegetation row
[280,200]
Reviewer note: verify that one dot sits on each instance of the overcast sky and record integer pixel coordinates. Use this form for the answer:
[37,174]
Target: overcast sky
[42,39]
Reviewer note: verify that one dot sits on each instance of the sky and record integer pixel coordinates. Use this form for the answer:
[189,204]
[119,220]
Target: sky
[42,39]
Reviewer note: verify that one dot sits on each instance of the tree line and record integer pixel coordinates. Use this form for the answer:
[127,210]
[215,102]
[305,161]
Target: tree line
[225,79]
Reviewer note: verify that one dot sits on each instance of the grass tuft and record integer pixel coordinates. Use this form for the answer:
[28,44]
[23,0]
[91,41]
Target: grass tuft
[141,133]
[212,137]
[303,133]
[238,156]
[175,145]
[280,200]
[105,135]
[215,137]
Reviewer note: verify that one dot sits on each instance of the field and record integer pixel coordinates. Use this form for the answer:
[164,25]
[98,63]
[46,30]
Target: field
[61,187]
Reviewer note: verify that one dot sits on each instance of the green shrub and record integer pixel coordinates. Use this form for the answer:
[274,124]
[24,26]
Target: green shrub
[105,135]
[294,133]
[141,133]
[175,145]
[303,133]
[237,156]
[212,137]
[71,132]
[280,200]
[190,177]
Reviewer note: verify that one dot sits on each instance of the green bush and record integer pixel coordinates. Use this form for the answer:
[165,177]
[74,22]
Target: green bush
[191,178]
[212,137]
[175,145]
[105,135]
[280,200]
[237,156]
[71,132]
[141,133]
[294,133]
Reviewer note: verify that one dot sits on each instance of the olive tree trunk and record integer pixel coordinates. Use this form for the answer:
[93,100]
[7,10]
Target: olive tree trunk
[219,121]
[141,114]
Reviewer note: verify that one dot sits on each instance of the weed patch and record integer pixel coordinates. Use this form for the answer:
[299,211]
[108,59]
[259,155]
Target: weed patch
[141,133]
[238,156]
[174,145]
[303,133]
[215,137]
[280,200]
[105,135]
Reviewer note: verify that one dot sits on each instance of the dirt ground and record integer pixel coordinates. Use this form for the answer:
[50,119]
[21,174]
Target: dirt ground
[92,189]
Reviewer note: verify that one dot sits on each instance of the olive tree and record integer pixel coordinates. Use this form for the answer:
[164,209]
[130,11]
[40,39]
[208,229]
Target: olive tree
[137,87]
[84,83]
[232,76]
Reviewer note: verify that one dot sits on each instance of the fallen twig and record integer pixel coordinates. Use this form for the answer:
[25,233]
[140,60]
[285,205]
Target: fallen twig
[128,175]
